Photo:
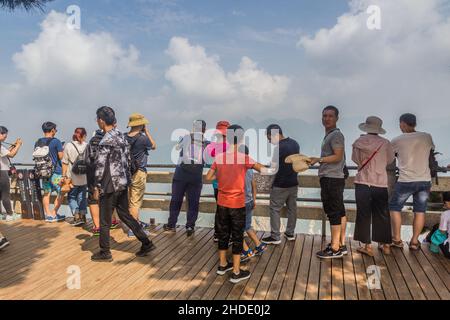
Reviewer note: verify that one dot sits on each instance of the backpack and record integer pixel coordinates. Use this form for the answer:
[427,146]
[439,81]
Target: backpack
[79,166]
[134,163]
[43,164]
[193,166]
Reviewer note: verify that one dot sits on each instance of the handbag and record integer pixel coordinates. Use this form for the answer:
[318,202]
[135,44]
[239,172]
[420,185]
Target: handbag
[370,158]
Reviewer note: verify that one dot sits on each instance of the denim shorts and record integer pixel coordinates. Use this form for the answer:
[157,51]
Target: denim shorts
[404,190]
[248,215]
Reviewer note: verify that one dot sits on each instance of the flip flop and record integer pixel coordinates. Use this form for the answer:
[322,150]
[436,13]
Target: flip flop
[415,246]
[397,244]
[365,251]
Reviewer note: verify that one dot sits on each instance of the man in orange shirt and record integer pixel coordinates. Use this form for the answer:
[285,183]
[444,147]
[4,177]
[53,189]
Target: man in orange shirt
[230,169]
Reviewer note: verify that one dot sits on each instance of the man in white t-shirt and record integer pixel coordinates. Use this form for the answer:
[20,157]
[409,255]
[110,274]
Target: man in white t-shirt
[412,150]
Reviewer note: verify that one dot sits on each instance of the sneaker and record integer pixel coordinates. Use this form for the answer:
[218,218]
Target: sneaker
[77,220]
[145,250]
[96,232]
[261,249]
[190,231]
[2,217]
[221,271]
[328,253]
[3,243]
[216,239]
[50,219]
[17,216]
[9,218]
[114,225]
[247,255]
[60,218]
[343,248]
[102,257]
[144,225]
[289,237]
[243,275]
[270,240]
[168,228]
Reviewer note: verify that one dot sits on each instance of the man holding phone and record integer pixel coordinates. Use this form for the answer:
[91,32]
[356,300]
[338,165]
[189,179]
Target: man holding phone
[141,142]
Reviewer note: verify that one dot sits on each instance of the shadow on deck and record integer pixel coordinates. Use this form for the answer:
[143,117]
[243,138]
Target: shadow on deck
[38,263]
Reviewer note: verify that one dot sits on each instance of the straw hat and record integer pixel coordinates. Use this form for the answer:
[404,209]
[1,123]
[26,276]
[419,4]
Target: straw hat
[137,120]
[373,125]
[300,163]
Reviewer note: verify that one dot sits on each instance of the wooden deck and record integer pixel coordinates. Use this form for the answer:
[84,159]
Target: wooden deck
[35,267]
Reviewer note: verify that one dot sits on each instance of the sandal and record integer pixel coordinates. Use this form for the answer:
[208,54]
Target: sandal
[415,246]
[397,244]
[385,248]
[365,251]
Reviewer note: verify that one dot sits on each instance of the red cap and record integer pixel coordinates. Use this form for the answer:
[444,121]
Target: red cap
[222,127]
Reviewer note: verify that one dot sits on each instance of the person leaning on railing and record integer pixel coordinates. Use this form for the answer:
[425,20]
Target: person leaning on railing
[413,150]
[372,154]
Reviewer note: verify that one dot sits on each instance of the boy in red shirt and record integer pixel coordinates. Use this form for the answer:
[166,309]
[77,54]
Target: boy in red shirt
[230,169]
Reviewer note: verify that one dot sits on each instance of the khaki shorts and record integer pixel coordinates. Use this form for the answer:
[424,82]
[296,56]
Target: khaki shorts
[137,189]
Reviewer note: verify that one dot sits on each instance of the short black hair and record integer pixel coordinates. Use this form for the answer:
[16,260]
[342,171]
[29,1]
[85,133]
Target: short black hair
[332,108]
[244,149]
[235,134]
[273,127]
[48,127]
[3,130]
[410,119]
[107,114]
[446,196]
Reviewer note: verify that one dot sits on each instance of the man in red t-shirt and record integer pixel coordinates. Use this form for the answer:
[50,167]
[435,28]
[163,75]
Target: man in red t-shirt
[230,169]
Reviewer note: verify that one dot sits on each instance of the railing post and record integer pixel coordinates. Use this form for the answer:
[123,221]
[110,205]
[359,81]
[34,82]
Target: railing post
[324,225]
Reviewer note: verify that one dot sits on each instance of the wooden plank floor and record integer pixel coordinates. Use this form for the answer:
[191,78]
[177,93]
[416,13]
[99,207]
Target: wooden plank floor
[36,264]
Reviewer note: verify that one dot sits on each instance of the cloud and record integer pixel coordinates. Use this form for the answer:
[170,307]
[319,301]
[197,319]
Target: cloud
[60,55]
[238,13]
[198,75]
[277,36]
[64,75]
[405,66]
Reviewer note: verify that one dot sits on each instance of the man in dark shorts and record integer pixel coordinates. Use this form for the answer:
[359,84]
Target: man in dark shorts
[332,183]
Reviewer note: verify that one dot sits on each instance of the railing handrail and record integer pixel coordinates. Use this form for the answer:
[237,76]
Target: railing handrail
[171,166]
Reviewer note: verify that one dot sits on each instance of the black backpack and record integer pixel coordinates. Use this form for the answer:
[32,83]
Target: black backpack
[79,166]
[134,163]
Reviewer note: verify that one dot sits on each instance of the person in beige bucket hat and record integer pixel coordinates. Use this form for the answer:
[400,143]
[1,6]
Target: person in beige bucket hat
[373,125]
[137,120]
[372,154]
[141,142]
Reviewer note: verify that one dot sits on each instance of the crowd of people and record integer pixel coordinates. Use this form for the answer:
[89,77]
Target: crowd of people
[108,173]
